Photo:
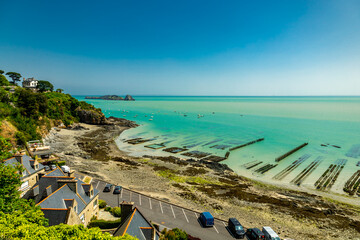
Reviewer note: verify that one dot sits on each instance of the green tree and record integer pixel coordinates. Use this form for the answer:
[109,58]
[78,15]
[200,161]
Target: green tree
[44,86]
[1,72]
[3,81]
[59,90]
[14,76]
[5,148]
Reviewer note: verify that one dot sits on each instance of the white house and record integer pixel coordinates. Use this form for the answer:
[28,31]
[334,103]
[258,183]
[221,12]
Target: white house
[30,83]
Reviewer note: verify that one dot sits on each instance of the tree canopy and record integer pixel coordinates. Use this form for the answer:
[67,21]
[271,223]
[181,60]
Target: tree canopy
[44,86]
[1,72]
[14,76]
[3,81]
[5,148]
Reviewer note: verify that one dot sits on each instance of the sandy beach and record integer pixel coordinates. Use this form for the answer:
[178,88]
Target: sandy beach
[90,149]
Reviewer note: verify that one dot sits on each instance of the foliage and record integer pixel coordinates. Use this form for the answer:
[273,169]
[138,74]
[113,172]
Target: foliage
[3,81]
[108,209]
[116,211]
[174,234]
[29,112]
[14,76]
[5,147]
[102,203]
[21,219]
[59,90]
[44,86]
[103,224]
[1,72]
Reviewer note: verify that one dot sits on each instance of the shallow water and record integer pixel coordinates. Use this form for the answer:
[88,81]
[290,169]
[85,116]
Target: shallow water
[215,124]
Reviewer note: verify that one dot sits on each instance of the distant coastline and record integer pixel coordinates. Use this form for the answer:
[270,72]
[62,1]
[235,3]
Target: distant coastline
[112,97]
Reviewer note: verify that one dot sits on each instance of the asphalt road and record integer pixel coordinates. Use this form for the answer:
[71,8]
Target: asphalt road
[166,214]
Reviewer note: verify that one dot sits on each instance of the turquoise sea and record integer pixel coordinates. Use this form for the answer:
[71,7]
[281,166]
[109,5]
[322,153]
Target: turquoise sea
[216,124]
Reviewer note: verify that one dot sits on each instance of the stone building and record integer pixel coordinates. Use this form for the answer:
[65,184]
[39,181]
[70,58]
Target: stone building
[32,170]
[64,198]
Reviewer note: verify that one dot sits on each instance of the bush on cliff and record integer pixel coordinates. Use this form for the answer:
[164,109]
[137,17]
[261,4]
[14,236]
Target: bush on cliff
[32,113]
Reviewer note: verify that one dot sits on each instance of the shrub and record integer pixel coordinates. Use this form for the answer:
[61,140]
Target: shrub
[116,211]
[108,209]
[102,203]
[61,163]
[103,224]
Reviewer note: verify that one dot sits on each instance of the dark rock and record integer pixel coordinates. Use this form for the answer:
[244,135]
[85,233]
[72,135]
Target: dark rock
[121,122]
[91,116]
[129,98]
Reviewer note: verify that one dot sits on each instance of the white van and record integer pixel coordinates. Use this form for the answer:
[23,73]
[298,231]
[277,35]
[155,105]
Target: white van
[270,234]
[65,169]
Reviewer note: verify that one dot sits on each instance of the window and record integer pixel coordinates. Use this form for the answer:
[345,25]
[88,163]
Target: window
[82,217]
[75,209]
[36,167]
[95,203]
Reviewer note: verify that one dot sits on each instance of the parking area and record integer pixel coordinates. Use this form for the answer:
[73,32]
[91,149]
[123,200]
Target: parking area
[164,213]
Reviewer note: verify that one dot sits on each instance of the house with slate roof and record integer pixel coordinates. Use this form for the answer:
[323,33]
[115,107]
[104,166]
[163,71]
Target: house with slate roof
[32,170]
[30,83]
[64,198]
[135,224]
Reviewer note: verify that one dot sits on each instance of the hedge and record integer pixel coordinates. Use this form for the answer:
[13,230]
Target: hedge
[103,224]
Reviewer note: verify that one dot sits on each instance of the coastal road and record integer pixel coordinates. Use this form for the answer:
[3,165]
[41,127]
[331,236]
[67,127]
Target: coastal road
[165,213]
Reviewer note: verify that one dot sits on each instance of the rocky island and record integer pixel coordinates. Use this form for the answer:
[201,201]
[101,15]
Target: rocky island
[112,97]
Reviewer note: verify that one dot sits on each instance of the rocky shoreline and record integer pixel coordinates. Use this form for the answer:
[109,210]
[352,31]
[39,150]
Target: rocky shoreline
[201,185]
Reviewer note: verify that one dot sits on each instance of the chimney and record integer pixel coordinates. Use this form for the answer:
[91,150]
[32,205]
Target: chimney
[18,157]
[71,183]
[126,209]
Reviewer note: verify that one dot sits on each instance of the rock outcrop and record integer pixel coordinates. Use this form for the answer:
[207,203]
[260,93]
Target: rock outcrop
[129,98]
[91,117]
[107,97]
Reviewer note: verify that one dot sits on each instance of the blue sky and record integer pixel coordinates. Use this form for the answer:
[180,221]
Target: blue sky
[185,47]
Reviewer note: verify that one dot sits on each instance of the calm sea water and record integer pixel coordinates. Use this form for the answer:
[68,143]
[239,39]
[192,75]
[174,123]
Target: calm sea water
[215,124]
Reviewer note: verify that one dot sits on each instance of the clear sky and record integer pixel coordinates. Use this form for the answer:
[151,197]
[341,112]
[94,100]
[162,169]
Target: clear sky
[185,47]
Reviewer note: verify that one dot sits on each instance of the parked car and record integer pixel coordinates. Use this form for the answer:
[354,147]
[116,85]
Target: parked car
[236,228]
[270,234]
[254,234]
[117,190]
[53,166]
[47,168]
[206,219]
[107,187]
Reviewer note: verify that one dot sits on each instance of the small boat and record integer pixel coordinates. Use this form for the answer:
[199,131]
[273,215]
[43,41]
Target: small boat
[151,119]
[124,115]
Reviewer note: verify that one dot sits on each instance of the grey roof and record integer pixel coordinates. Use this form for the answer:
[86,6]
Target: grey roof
[55,195]
[137,226]
[27,164]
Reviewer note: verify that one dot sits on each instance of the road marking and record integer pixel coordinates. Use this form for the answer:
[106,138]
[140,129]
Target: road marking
[150,203]
[196,215]
[224,224]
[121,192]
[161,208]
[140,199]
[97,185]
[185,215]
[172,210]
[216,229]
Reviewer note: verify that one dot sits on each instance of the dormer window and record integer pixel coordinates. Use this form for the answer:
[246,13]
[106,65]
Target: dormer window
[91,193]
[36,166]
[75,207]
